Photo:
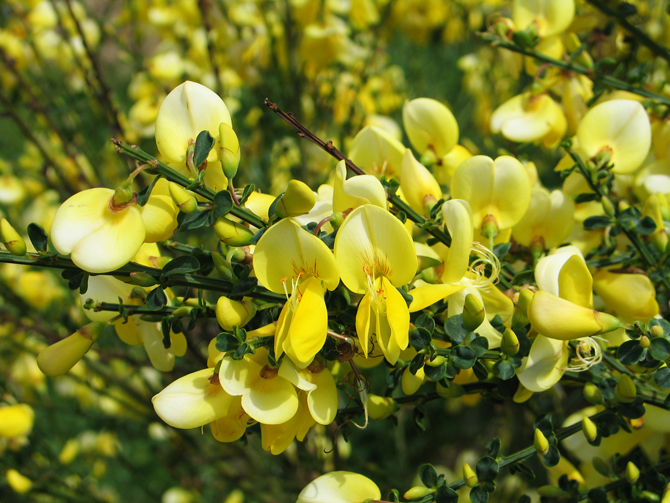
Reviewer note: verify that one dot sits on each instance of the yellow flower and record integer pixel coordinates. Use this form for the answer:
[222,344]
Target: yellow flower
[232,313]
[550,16]
[339,487]
[99,235]
[356,191]
[548,220]
[618,128]
[19,483]
[16,420]
[292,261]
[631,296]
[377,152]
[159,214]
[60,357]
[418,185]
[430,126]
[375,255]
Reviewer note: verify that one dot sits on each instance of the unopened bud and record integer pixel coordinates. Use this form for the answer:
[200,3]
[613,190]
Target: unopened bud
[297,200]
[222,266]
[230,150]
[185,202]
[490,227]
[590,429]
[182,311]
[550,491]
[142,279]
[632,472]
[473,312]
[11,239]
[510,343]
[608,207]
[232,233]
[232,313]
[657,331]
[381,407]
[625,390]
[417,492]
[644,342]
[592,394]
[436,362]
[469,476]
[63,355]
[540,442]
[237,255]
[337,219]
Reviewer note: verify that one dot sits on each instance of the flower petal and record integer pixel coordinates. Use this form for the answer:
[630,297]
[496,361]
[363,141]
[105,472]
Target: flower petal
[339,487]
[271,401]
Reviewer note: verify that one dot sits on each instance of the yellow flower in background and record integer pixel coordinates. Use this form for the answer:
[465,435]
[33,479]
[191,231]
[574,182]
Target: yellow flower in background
[99,235]
[18,482]
[290,260]
[430,126]
[16,420]
[548,221]
[339,487]
[528,118]
[375,255]
[630,296]
[619,129]
[550,16]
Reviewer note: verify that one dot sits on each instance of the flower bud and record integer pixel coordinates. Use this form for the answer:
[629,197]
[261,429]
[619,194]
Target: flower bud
[18,482]
[417,492]
[510,343]
[657,331]
[540,442]
[297,200]
[525,297]
[592,394]
[644,342]
[232,233]
[473,312]
[381,407]
[561,319]
[63,355]
[469,476]
[11,239]
[412,382]
[230,150]
[222,266]
[632,472]
[590,429]
[436,362]
[608,207]
[184,201]
[142,279]
[232,313]
[625,390]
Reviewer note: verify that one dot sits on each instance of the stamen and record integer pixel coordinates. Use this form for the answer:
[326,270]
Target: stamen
[588,353]
[478,266]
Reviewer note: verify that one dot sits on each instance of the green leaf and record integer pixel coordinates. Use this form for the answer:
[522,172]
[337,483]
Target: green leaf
[156,299]
[83,285]
[480,370]
[223,203]
[586,197]
[393,496]
[493,447]
[462,357]
[408,298]
[240,351]
[244,287]
[633,410]
[479,495]
[455,329]
[501,249]
[522,469]
[645,226]
[446,494]
[630,352]
[181,265]
[195,220]
[659,348]
[248,189]
[38,237]
[552,457]
[503,369]
[487,469]
[416,363]
[226,341]
[598,495]
[420,338]
[544,424]
[662,378]
[143,195]
[435,373]
[628,218]
[203,144]
[427,322]
[592,223]
[428,475]
[480,345]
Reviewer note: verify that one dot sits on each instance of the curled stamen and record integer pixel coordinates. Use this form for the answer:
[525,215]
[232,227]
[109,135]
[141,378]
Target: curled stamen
[478,266]
[588,353]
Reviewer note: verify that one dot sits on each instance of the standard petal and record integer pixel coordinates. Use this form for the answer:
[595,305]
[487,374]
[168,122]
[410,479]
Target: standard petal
[544,365]
[322,401]
[152,339]
[339,487]
[271,401]
[397,314]
[237,376]
[309,324]
[458,220]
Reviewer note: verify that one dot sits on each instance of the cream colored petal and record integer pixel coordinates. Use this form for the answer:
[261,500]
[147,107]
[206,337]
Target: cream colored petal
[511,191]
[152,340]
[548,268]
[159,214]
[430,125]
[288,371]
[371,239]
[623,126]
[551,16]
[113,244]
[271,401]
[237,376]
[458,220]
[531,223]
[356,191]
[322,401]
[376,151]
[105,289]
[496,302]
[127,331]
[339,487]
[544,365]
[79,216]
[286,252]
[192,401]
[511,109]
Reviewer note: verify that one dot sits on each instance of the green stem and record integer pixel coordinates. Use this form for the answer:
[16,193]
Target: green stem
[621,482]
[637,34]
[582,70]
[171,175]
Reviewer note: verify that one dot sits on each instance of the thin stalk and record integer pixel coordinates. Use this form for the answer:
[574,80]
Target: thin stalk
[582,70]
[621,482]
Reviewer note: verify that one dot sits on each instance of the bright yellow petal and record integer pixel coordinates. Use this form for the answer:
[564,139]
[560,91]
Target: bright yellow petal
[16,420]
[364,321]
[309,324]
[376,151]
[430,125]
[237,376]
[339,487]
[398,319]
[356,191]
[458,220]
[232,426]
[271,401]
[322,401]
[159,214]
[427,295]
[544,365]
